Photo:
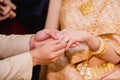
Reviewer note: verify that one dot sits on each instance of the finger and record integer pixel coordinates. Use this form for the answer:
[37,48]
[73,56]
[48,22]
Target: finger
[54,42]
[58,54]
[70,43]
[51,33]
[63,34]
[60,34]
[66,39]
[4,17]
[12,14]
[77,43]
[63,37]
[41,36]
[40,43]
[9,3]
[2,8]
[73,45]
[58,46]
[6,10]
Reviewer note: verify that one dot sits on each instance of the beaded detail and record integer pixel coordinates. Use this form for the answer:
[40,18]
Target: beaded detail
[88,73]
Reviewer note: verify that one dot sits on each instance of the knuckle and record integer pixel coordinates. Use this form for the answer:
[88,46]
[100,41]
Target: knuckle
[53,60]
[52,56]
[52,49]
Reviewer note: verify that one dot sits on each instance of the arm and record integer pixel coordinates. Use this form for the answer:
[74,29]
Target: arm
[13,44]
[112,51]
[52,21]
[16,67]
[20,66]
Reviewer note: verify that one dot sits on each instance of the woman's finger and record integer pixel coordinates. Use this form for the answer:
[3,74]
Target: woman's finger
[70,42]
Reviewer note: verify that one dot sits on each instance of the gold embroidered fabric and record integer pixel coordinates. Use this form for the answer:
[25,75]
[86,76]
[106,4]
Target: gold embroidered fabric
[88,73]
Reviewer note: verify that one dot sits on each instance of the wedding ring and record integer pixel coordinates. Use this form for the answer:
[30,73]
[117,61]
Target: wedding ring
[66,39]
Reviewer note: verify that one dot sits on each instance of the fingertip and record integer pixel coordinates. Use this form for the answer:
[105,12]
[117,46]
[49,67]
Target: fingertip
[12,15]
[14,7]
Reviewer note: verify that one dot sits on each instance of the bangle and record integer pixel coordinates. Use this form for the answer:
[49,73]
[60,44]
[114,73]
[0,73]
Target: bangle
[102,48]
[104,51]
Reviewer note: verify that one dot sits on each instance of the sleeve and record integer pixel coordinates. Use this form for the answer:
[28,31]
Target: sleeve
[13,44]
[18,67]
[114,42]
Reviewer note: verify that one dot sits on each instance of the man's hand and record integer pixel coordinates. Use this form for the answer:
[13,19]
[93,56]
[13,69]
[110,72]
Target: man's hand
[42,37]
[48,52]
[7,10]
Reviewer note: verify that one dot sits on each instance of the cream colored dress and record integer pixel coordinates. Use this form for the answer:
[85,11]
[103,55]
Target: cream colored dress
[101,18]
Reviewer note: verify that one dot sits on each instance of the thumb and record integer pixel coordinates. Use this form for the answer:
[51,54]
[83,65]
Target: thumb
[41,36]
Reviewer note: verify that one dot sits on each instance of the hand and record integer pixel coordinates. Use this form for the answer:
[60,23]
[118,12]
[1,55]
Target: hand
[48,52]
[41,37]
[75,36]
[7,9]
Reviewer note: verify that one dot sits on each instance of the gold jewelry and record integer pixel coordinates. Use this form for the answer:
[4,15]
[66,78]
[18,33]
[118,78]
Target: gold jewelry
[104,51]
[88,73]
[102,48]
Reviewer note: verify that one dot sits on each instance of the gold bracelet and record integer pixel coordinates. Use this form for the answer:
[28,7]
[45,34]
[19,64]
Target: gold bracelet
[101,47]
[104,51]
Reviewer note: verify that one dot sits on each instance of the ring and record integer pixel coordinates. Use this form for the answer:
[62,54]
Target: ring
[66,39]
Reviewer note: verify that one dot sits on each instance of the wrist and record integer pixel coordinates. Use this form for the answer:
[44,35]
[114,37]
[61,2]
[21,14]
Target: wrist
[93,42]
[33,58]
[31,42]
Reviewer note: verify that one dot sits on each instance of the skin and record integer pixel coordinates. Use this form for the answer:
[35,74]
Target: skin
[41,51]
[45,54]
[7,10]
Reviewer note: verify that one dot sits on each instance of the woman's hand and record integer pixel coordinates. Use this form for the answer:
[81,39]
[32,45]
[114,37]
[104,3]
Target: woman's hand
[73,37]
